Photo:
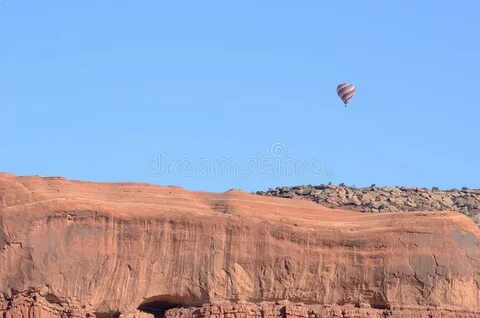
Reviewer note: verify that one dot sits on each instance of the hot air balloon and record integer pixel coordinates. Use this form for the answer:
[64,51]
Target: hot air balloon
[345,91]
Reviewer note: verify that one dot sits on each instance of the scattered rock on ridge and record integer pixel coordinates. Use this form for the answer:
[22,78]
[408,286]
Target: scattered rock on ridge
[385,199]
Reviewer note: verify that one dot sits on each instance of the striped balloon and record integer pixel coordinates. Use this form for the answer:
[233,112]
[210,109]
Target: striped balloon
[346,91]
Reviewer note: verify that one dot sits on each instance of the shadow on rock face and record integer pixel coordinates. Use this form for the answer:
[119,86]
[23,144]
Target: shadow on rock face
[158,305]
[107,314]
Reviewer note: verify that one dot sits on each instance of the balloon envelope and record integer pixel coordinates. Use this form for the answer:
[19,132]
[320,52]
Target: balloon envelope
[346,91]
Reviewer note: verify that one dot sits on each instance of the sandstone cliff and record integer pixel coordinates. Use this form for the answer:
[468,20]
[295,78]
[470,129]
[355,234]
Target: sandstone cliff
[78,249]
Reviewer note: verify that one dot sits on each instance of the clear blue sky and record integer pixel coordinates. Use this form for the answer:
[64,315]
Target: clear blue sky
[106,90]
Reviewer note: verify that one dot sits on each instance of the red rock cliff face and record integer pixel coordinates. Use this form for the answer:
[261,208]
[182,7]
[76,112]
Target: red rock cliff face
[74,249]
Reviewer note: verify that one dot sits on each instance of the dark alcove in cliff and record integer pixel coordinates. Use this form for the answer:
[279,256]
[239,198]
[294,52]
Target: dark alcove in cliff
[107,314]
[158,305]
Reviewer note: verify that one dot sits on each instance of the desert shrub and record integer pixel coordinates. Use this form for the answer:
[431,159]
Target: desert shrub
[476,219]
